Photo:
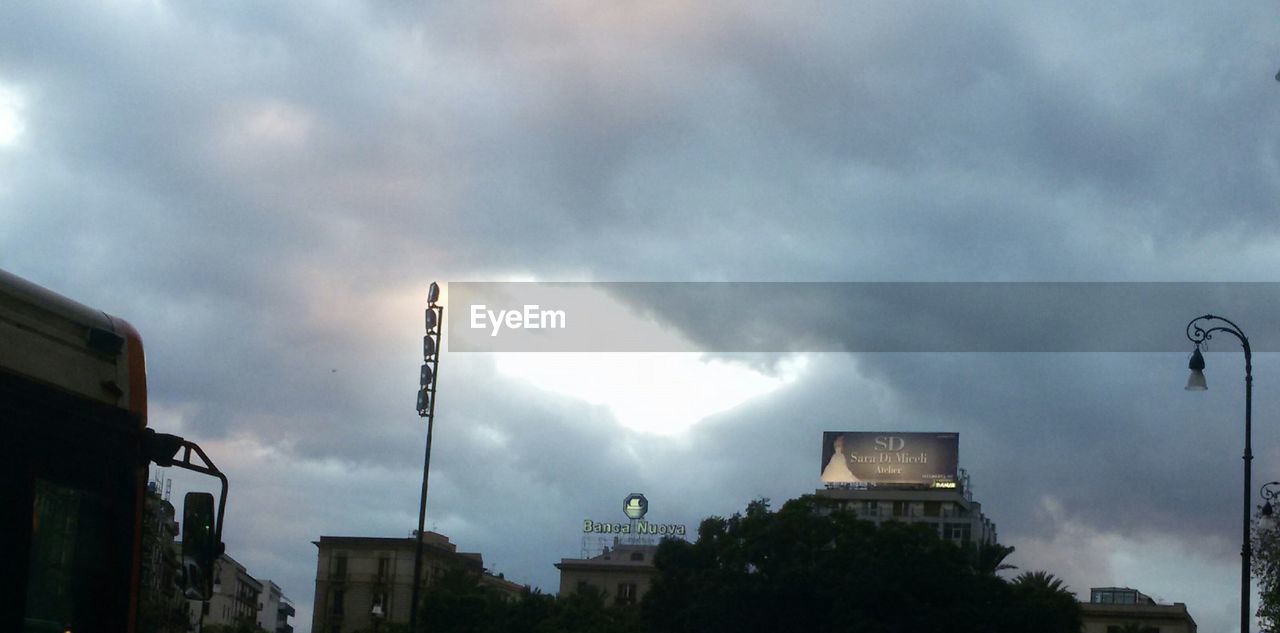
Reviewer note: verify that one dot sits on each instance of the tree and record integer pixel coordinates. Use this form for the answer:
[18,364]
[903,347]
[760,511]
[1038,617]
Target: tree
[812,566]
[586,612]
[157,616]
[1266,568]
[1043,603]
[459,603]
[241,625]
[988,559]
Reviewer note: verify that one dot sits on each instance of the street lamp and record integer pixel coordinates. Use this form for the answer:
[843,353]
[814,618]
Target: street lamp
[1267,521]
[1198,335]
[434,319]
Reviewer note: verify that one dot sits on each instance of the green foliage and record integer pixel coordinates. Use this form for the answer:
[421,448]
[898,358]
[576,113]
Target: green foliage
[807,567]
[243,625]
[1042,602]
[458,603]
[1266,568]
[158,616]
[586,612]
[812,567]
[987,559]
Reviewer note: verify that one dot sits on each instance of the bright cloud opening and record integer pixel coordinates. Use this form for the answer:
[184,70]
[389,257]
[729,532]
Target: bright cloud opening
[663,393]
[11,123]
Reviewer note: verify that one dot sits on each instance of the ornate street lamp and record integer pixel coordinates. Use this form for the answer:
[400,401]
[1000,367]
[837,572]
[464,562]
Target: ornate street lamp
[1198,335]
[1268,521]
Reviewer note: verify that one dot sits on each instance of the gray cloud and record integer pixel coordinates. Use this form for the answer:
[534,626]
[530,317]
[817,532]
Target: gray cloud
[265,191]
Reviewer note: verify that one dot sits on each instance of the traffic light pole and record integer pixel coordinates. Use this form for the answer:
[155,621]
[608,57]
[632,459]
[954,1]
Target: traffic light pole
[430,370]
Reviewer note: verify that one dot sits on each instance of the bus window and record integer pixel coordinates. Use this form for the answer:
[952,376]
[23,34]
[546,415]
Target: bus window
[69,558]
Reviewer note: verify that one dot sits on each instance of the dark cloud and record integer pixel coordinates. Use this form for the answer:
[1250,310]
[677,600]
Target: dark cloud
[266,190]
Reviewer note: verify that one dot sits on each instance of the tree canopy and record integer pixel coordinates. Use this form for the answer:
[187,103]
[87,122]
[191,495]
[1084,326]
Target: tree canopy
[806,567]
[813,567]
[1266,568]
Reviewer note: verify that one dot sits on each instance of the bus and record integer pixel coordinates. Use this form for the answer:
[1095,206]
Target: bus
[74,459]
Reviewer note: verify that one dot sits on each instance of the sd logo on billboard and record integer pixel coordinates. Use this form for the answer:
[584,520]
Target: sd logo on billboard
[890,443]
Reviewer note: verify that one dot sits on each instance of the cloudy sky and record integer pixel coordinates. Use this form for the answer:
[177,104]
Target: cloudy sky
[266,190]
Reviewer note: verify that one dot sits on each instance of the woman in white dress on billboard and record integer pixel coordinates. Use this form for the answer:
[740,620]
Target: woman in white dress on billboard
[837,470]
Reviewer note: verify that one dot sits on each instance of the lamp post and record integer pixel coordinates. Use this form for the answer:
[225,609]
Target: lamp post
[1268,519]
[427,409]
[1198,335]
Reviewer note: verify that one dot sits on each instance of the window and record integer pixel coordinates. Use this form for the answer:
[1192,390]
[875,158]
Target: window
[870,508]
[637,556]
[582,586]
[956,531]
[68,543]
[932,508]
[384,567]
[1110,596]
[902,508]
[335,605]
[626,593]
[340,566]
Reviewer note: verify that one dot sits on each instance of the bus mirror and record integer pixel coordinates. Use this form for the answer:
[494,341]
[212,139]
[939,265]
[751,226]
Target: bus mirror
[199,545]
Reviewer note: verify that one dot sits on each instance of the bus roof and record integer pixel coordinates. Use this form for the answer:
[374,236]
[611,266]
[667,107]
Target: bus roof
[50,339]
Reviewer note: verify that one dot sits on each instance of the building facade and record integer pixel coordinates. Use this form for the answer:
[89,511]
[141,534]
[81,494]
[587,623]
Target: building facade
[161,606]
[622,573]
[950,511]
[275,609]
[1113,609]
[235,598]
[364,583]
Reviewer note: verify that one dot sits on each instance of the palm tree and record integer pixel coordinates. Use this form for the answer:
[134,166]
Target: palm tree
[987,559]
[1046,602]
[1041,582]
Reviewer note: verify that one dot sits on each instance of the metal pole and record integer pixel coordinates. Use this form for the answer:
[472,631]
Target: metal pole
[1198,335]
[1246,552]
[426,473]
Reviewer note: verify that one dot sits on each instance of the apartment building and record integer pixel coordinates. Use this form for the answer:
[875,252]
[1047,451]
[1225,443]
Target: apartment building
[622,573]
[950,511]
[364,583]
[1117,609]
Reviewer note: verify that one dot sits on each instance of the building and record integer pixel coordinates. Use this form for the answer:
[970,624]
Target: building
[623,573]
[500,584]
[903,476]
[365,582]
[236,595]
[161,605]
[1115,609]
[276,609]
[950,511]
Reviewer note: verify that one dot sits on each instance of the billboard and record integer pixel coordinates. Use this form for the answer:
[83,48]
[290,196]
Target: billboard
[890,457]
